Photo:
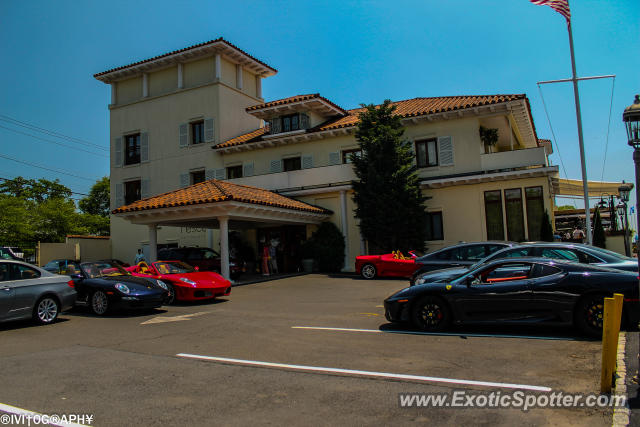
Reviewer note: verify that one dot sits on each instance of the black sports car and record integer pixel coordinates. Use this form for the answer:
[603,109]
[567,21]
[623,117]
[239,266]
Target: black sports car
[575,252]
[104,286]
[523,290]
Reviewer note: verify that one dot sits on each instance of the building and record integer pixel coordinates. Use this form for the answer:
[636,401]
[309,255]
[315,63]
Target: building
[197,114]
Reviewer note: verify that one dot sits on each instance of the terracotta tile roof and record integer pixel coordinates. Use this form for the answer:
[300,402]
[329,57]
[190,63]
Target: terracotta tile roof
[293,99]
[213,191]
[543,141]
[407,108]
[220,39]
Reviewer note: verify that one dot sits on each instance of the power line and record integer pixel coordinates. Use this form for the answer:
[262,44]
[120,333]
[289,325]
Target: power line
[53,142]
[6,118]
[45,168]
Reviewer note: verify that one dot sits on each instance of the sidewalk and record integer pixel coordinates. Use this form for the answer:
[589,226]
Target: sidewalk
[631,381]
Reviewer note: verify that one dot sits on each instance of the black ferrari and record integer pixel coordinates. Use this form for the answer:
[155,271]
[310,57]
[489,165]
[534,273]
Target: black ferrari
[523,290]
[104,286]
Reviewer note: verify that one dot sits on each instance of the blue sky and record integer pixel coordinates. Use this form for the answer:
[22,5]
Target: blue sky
[350,52]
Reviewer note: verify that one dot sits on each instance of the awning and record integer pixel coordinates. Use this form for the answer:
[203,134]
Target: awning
[573,188]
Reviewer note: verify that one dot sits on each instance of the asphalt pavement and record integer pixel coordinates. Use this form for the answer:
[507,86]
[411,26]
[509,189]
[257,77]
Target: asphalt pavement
[306,350]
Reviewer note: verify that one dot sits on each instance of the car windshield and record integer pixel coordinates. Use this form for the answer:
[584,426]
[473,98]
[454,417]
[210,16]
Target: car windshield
[102,269]
[605,253]
[175,267]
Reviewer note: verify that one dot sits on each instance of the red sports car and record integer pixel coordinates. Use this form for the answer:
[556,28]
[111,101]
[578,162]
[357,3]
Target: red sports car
[389,265]
[185,283]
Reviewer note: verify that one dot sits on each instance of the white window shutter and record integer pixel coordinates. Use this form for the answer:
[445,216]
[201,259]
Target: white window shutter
[334,158]
[220,173]
[247,169]
[276,166]
[184,134]
[208,130]
[119,195]
[117,161]
[145,189]
[209,174]
[445,146]
[184,180]
[307,161]
[144,147]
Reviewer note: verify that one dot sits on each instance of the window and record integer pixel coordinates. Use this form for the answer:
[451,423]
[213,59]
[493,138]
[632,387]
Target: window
[515,218]
[535,211]
[559,253]
[493,213]
[131,191]
[516,253]
[290,123]
[22,272]
[4,272]
[132,149]
[197,176]
[291,164]
[471,253]
[505,273]
[346,154]
[541,270]
[427,153]
[234,172]
[434,226]
[197,132]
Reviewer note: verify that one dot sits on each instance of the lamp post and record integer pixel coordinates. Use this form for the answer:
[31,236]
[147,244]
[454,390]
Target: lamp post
[624,191]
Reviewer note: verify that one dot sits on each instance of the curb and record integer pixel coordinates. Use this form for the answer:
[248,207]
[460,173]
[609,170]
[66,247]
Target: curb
[621,414]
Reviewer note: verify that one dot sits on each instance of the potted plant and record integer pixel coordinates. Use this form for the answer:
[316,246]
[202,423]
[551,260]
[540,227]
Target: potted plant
[489,137]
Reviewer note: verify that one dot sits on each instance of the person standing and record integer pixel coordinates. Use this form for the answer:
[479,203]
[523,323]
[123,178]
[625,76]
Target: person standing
[265,260]
[273,260]
[139,257]
[578,235]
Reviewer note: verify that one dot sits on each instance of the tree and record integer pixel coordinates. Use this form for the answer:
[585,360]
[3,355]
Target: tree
[97,202]
[34,190]
[599,238]
[389,202]
[546,230]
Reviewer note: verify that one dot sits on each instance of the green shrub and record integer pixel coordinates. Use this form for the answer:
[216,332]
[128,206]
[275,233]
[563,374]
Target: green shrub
[327,247]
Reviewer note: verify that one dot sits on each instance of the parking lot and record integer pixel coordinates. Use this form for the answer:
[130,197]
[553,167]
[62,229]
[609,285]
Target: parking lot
[164,367]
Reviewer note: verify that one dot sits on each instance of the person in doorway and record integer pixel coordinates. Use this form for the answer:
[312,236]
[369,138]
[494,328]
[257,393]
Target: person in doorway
[273,260]
[265,260]
[139,257]
[578,235]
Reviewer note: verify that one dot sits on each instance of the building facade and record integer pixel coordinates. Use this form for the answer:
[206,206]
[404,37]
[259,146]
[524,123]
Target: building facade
[198,114]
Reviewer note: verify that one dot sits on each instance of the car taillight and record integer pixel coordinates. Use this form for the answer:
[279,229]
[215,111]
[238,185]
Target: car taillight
[71,283]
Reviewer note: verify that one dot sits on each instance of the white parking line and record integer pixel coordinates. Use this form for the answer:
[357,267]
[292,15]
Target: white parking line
[369,374]
[448,334]
[24,417]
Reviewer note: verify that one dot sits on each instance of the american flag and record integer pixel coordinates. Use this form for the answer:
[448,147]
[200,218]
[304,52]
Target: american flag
[560,6]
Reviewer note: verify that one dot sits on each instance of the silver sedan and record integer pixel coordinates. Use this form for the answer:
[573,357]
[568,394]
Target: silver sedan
[27,291]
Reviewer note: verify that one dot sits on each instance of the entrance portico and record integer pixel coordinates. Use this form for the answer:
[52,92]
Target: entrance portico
[221,205]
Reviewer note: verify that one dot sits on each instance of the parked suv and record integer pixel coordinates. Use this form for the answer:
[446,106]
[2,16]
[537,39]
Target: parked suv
[204,258]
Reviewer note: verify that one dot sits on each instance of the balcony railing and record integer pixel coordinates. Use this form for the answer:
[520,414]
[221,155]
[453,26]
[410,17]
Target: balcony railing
[513,159]
[318,176]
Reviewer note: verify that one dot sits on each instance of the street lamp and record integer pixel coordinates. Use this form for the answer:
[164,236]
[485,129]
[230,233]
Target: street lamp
[631,119]
[623,192]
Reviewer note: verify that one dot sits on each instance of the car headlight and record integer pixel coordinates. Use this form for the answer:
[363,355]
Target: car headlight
[162,285]
[185,280]
[122,288]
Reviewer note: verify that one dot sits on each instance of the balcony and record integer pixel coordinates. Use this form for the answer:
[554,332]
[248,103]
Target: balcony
[319,176]
[513,159]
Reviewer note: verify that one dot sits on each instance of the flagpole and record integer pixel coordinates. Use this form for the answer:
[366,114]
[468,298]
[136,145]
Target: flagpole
[585,185]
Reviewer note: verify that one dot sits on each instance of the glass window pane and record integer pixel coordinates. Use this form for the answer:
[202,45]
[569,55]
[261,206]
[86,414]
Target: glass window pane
[431,153]
[535,212]
[421,154]
[515,216]
[493,212]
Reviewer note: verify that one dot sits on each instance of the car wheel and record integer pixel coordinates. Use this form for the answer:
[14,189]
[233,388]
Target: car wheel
[589,314]
[369,271]
[431,313]
[172,294]
[99,303]
[46,310]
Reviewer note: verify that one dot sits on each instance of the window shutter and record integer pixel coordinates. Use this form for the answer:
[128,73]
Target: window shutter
[304,121]
[119,195]
[145,190]
[208,130]
[144,147]
[334,158]
[220,173]
[184,134]
[276,166]
[276,125]
[307,161]
[184,180]
[247,169]
[209,174]
[117,161]
[445,145]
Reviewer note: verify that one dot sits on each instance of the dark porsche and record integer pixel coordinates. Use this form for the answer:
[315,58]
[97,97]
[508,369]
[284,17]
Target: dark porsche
[523,290]
[103,286]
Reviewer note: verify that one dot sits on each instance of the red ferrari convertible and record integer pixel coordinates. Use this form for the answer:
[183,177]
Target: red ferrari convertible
[185,283]
[389,265]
